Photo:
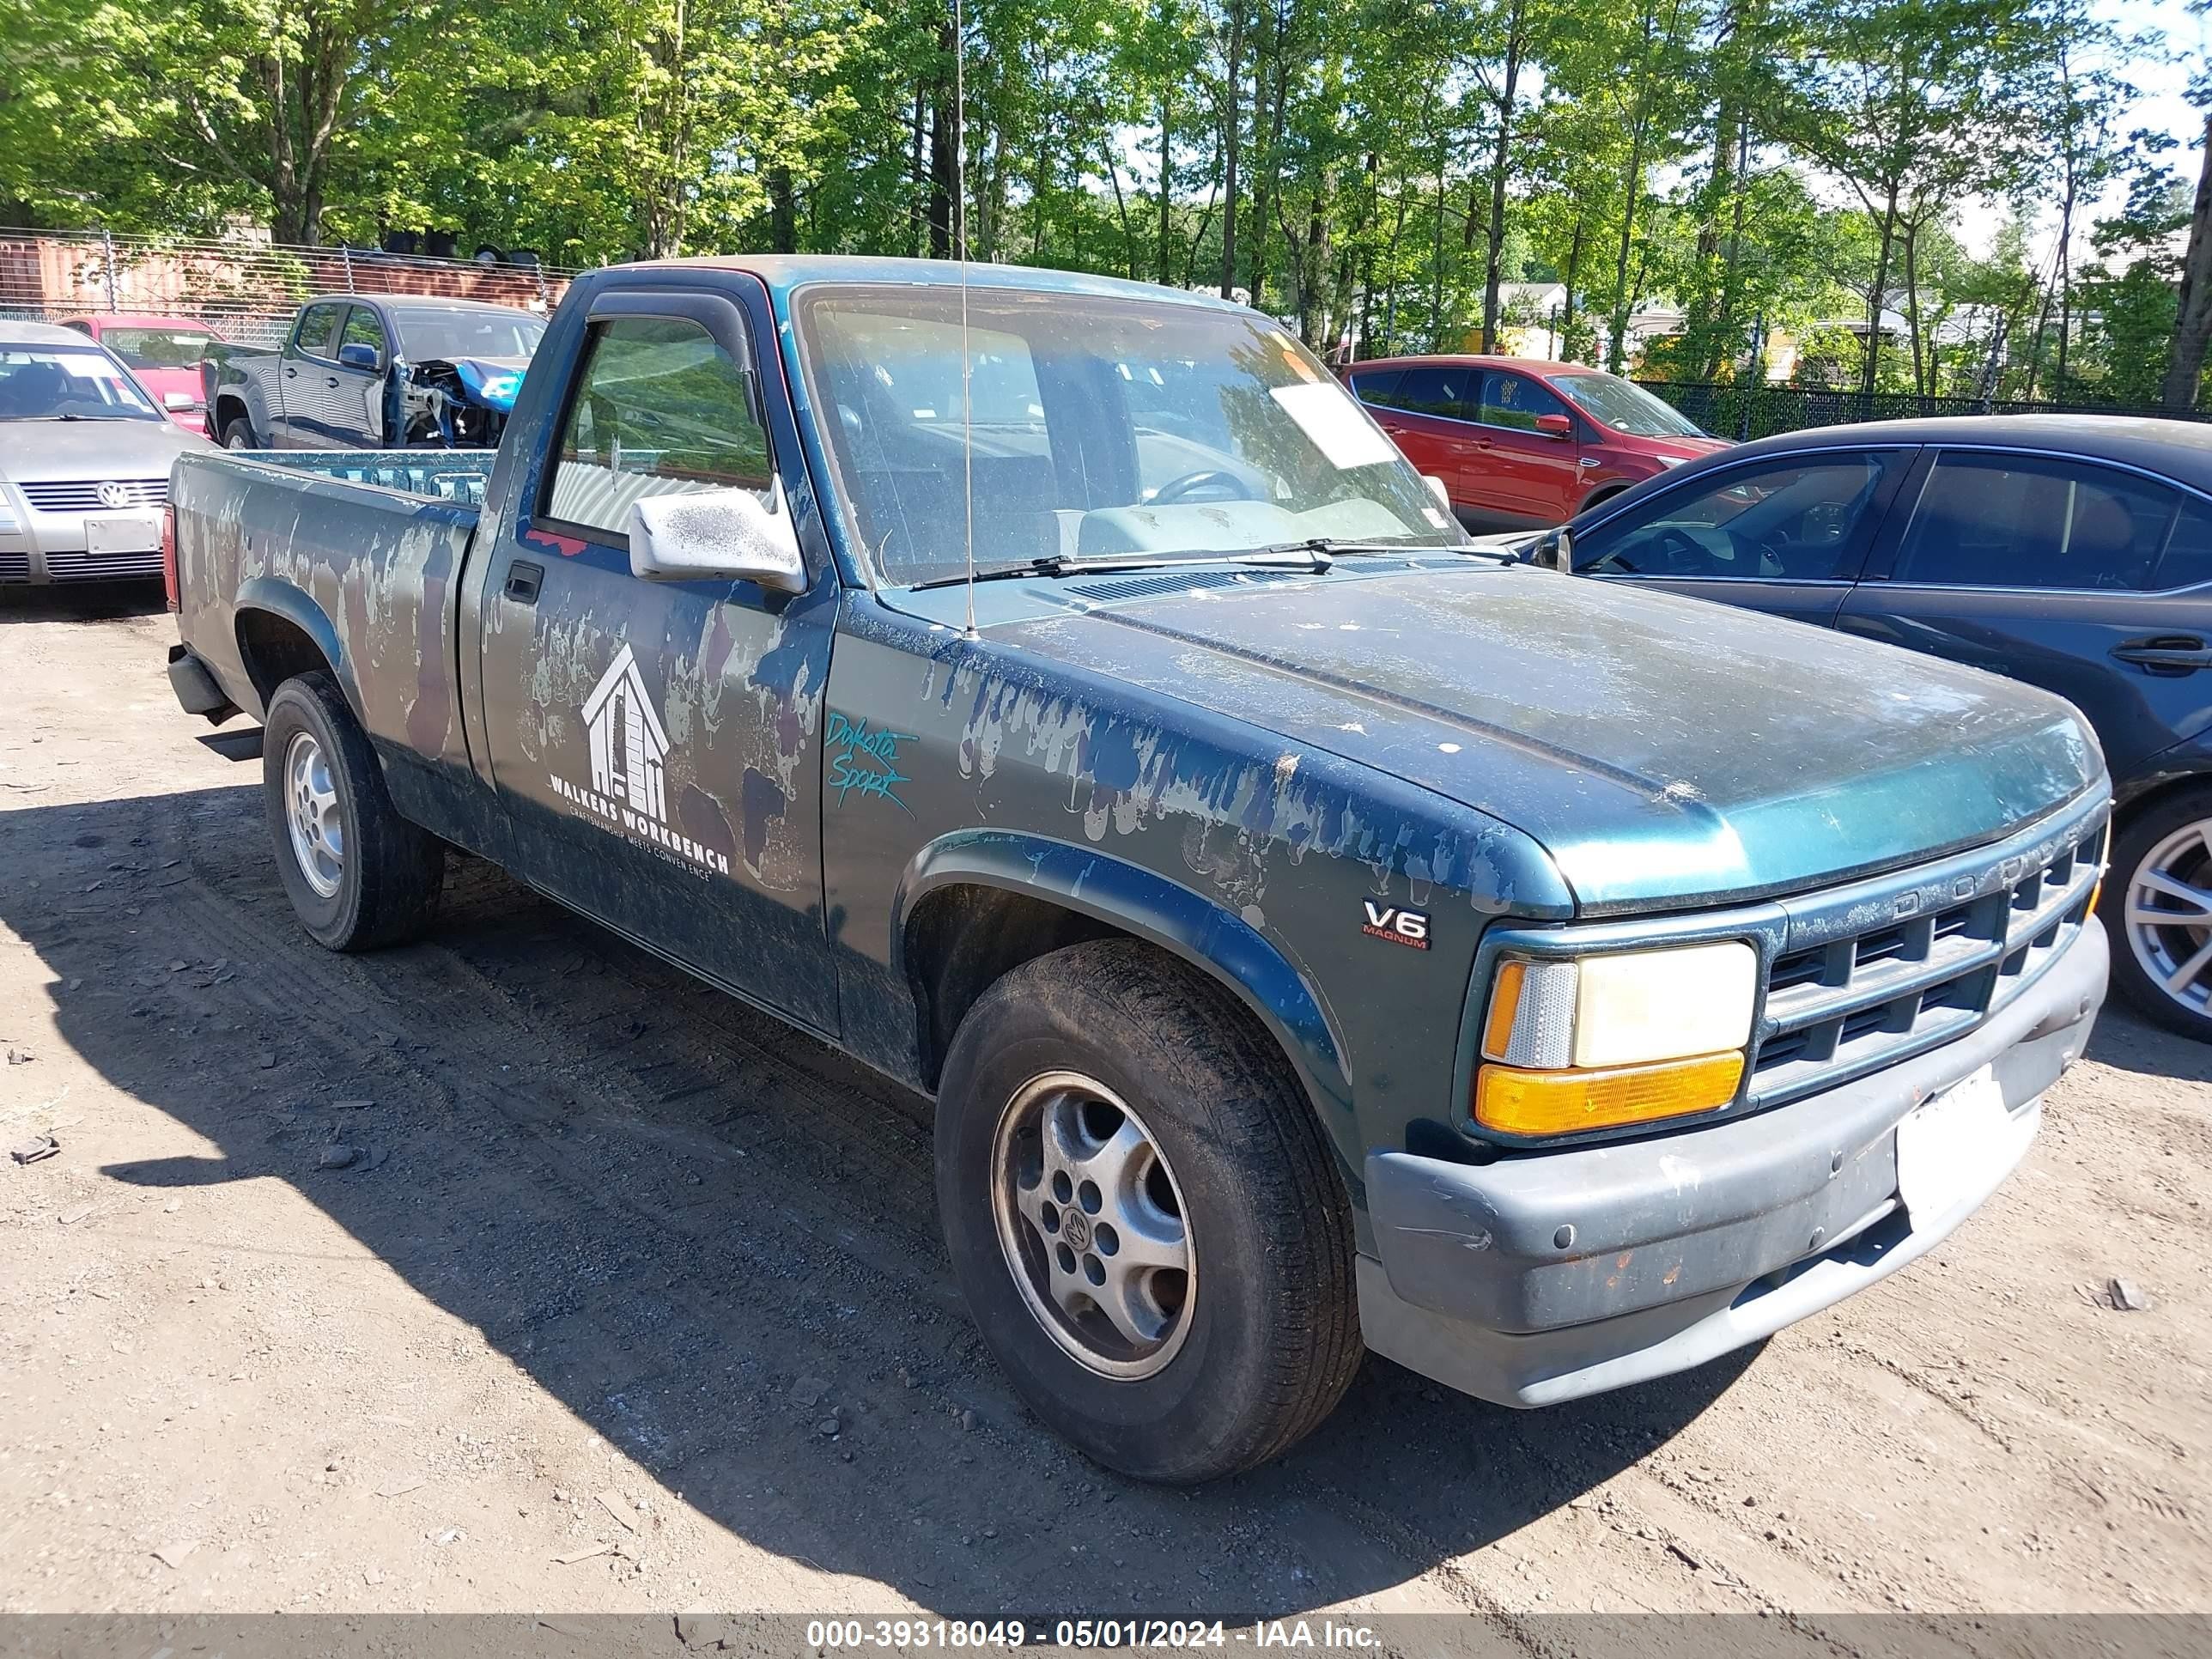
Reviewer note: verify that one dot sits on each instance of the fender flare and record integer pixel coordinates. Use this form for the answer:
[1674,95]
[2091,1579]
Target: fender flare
[1165,914]
[278,598]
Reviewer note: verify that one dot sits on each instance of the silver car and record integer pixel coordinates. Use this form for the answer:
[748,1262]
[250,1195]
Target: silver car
[84,461]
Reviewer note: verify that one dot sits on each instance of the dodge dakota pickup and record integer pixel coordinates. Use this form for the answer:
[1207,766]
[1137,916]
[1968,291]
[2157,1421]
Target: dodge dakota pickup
[1314,935]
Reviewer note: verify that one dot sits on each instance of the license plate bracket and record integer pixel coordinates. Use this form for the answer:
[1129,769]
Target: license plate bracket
[1945,1143]
[123,532]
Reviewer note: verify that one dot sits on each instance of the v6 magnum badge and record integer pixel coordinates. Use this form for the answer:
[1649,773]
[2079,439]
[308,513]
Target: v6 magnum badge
[1399,927]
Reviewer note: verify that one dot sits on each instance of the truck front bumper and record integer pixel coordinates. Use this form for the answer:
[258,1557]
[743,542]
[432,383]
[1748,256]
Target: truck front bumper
[1543,1278]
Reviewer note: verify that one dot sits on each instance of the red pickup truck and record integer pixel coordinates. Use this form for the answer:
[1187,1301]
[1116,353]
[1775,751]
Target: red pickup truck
[1522,444]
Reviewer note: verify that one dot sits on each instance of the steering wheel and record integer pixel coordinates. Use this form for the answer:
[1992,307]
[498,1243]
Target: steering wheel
[1207,478]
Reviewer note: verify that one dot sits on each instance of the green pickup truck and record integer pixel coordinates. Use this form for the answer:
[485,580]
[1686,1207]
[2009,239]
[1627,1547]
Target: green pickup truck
[1316,934]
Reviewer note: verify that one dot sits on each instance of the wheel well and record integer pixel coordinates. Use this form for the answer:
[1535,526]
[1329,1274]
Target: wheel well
[227,408]
[2156,797]
[961,940]
[274,649]
[1601,495]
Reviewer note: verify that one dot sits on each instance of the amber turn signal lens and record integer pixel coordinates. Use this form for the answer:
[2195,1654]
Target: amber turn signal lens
[1517,1103]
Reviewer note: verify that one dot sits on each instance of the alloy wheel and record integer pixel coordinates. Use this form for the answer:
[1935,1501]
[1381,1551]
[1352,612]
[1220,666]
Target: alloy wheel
[1093,1225]
[311,811]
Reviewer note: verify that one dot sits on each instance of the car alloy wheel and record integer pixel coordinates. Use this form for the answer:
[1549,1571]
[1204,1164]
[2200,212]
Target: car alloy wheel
[2169,916]
[1093,1225]
[312,810]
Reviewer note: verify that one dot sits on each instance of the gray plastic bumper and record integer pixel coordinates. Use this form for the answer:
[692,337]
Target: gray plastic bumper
[1537,1280]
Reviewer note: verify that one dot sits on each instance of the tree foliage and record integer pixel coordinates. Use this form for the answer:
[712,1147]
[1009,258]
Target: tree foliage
[1706,180]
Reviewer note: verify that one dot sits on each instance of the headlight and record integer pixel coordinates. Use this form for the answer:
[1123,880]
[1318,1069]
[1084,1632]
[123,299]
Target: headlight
[1596,1041]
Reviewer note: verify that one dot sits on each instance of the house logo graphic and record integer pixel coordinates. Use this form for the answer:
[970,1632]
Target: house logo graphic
[629,747]
[629,791]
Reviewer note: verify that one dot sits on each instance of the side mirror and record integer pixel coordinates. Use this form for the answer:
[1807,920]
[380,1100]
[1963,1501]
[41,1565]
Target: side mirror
[716,535]
[178,402]
[1438,488]
[1556,426]
[357,355]
[1554,551]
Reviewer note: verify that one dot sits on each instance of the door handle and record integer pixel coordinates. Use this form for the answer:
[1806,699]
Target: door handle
[291,373]
[523,579]
[331,381]
[2166,653]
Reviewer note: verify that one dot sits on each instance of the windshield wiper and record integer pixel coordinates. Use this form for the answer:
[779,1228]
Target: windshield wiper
[1056,565]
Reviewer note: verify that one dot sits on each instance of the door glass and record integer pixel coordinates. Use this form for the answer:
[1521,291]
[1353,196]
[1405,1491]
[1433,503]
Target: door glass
[1379,388]
[2188,558]
[317,324]
[1439,389]
[363,329]
[1515,400]
[1793,523]
[2025,521]
[659,409]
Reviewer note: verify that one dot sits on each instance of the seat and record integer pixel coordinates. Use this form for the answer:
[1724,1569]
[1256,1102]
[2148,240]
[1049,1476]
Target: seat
[34,389]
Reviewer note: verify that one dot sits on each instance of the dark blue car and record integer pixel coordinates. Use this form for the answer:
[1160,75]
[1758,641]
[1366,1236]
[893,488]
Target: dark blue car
[2071,551]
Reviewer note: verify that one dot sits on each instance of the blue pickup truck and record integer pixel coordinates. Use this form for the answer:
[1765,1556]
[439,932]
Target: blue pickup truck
[376,371]
[1316,935]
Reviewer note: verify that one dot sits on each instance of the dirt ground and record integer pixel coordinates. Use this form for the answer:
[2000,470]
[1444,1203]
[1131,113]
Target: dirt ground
[631,1299]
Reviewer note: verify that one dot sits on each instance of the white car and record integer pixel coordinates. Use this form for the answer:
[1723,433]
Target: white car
[84,461]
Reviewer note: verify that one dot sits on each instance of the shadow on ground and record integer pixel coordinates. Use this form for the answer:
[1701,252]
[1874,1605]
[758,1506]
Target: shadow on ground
[678,1217]
[81,601]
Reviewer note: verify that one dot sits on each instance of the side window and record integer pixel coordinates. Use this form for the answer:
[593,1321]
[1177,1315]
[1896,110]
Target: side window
[1438,389]
[1379,388]
[1515,400]
[1797,522]
[658,409]
[363,329]
[318,327]
[2188,558]
[2026,521]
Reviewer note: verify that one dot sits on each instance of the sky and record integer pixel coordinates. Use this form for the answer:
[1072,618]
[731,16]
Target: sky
[2160,105]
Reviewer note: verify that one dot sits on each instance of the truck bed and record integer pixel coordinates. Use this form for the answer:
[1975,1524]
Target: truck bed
[352,556]
[456,475]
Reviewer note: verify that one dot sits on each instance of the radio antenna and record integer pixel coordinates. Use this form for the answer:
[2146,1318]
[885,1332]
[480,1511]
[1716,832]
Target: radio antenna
[960,250]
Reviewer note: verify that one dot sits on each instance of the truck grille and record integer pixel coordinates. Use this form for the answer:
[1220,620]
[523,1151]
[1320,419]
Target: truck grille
[84,495]
[15,567]
[1869,973]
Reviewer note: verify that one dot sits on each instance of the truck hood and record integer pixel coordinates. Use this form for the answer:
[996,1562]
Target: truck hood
[73,452]
[1666,752]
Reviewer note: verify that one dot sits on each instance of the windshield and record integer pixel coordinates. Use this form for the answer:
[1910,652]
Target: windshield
[158,347]
[52,383]
[1624,406]
[1102,428]
[425,334]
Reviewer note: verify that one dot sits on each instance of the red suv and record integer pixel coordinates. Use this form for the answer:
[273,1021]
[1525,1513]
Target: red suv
[1520,443]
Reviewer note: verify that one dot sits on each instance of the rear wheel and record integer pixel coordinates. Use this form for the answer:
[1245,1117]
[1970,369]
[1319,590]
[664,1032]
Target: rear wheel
[357,873]
[238,433]
[1144,1215]
[2157,904]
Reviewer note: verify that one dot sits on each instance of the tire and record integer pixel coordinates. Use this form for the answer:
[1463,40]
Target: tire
[238,433]
[1261,1336]
[2174,837]
[358,874]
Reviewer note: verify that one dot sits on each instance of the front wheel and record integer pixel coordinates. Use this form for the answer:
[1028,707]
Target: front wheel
[358,874]
[1144,1216]
[2157,905]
